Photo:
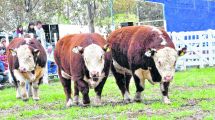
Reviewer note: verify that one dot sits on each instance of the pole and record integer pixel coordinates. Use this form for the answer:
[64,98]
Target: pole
[111,12]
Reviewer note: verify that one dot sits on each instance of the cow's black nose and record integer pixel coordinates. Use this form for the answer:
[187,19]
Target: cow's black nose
[95,79]
[93,75]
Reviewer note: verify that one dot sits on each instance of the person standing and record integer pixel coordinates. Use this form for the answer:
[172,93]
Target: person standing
[18,32]
[31,30]
[41,37]
[3,66]
[40,33]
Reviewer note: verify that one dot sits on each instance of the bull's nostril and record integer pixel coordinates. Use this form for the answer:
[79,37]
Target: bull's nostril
[94,75]
[95,79]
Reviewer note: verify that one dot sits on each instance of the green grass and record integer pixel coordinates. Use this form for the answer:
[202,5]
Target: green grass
[191,92]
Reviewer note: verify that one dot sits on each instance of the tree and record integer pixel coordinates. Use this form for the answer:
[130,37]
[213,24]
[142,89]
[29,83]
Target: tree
[91,7]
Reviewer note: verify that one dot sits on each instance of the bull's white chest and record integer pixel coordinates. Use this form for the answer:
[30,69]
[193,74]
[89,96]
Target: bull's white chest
[144,75]
[29,76]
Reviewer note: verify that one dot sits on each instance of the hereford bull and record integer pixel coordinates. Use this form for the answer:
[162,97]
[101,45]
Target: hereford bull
[82,58]
[27,60]
[144,52]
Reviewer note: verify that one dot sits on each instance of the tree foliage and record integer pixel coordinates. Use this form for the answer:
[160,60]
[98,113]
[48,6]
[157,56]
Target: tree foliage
[78,12]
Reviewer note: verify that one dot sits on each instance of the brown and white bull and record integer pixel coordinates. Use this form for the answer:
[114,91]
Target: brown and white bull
[83,59]
[146,53]
[27,61]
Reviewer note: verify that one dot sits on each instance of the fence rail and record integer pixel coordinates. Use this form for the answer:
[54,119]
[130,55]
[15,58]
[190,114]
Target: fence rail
[200,48]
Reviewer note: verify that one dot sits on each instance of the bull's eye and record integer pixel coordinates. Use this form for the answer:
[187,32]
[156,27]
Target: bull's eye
[174,63]
[159,62]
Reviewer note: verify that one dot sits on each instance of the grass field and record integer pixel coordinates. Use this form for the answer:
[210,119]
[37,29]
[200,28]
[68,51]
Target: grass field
[192,94]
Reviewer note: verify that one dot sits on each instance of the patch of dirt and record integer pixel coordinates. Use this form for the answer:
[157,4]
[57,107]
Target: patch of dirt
[36,106]
[199,115]
[208,86]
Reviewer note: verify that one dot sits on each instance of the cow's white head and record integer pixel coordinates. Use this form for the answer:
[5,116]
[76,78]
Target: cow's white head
[94,59]
[26,57]
[165,60]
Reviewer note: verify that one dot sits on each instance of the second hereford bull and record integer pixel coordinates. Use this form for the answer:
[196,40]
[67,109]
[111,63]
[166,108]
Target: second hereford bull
[82,58]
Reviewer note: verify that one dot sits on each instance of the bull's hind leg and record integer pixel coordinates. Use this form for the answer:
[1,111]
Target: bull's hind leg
[66,82]
[67,89]
[164,90]
[121,82]
[76,94]
[98,91]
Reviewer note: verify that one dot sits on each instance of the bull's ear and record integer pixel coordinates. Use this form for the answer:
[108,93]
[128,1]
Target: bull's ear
[106,48]
[13,52]
[78,50]
[150,52]
[36,52]
[182,51]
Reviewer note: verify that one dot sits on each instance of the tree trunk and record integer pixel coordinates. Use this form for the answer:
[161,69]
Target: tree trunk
[90,9]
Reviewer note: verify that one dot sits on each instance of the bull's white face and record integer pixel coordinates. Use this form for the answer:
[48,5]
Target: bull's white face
[165,63]
[94,60]
[25,58]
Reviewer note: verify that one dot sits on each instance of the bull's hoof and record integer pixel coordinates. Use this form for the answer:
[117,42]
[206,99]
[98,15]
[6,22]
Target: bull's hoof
[36,98]
[128,100]
[25,99]
[85,105]
[166,100]
[76,100]
[69,103]
[98,102]
[138,97]
[138,100]
[18,97]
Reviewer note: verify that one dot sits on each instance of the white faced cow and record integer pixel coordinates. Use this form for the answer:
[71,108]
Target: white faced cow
[146,53]
[27,60]
[83,59]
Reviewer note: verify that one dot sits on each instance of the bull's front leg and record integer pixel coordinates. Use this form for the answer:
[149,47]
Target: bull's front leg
[84,88]
[140,84]
[21,90]
[35,89]
[164,90]
[24,94]
[98,91]
[18,94]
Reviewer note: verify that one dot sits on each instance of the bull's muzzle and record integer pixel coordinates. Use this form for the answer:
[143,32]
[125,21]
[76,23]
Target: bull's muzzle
[168,78]
[94,74]
[22,69]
